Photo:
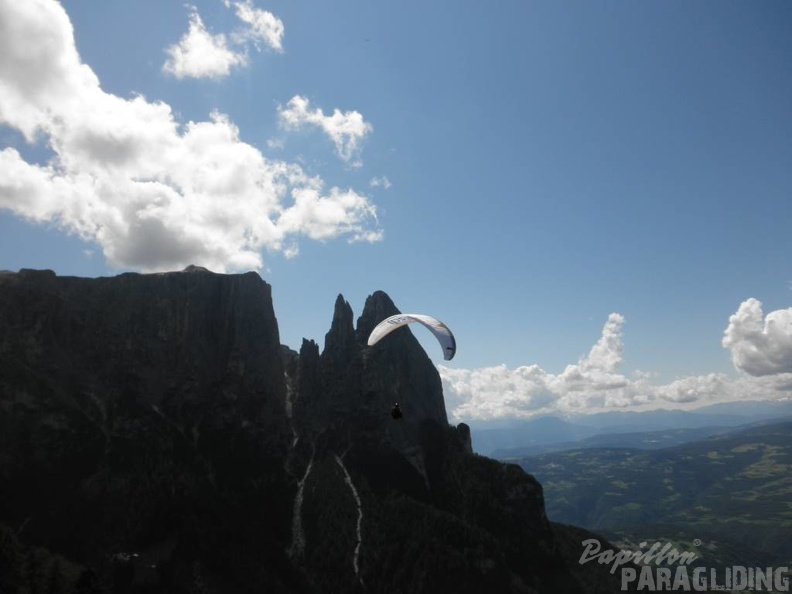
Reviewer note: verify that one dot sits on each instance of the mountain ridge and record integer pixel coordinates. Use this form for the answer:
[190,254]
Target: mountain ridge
[157,437]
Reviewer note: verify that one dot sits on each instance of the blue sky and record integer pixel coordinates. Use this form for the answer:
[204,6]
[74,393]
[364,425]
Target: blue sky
[592,195]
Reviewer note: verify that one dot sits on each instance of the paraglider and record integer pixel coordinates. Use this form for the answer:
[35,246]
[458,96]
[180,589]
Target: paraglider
[440,330]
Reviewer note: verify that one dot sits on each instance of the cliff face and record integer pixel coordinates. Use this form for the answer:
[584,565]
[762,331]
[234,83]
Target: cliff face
[142,412]
[156,437]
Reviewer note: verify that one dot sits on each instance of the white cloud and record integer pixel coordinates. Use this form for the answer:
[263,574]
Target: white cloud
[380,182]
[345,129]
[326,217]
[261,26]
[153,193]
[199,54]
[591,385]
[607,353]
[760,345]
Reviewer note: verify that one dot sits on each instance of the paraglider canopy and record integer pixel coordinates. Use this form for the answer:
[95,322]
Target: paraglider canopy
[440,330]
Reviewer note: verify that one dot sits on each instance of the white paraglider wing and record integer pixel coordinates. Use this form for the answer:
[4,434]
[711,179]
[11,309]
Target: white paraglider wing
[440,330]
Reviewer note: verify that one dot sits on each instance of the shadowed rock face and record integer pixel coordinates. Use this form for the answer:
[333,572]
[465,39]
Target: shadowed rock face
[464,435]
[137,410]
[196,346]
[346,394]
[398,368]
[155,433]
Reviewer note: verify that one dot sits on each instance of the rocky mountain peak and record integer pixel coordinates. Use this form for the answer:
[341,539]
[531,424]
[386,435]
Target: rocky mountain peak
[378,306]
[398,365]
[340,344]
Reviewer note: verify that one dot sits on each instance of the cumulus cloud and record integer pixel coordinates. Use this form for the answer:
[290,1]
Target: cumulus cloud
[760,345]
[606,355]
[346,129]
[199,54]
[153,193]
[593,384]
[260,27]
[325,217]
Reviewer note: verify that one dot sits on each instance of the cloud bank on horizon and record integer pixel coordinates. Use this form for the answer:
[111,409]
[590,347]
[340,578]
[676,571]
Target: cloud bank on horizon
[154,193]
[761,349]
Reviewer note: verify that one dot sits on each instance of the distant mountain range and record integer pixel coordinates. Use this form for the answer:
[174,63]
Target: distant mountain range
[553,433]
[643,440]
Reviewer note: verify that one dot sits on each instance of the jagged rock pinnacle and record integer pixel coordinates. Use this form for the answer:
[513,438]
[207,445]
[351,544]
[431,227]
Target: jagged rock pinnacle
[378,306]
[340,345]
